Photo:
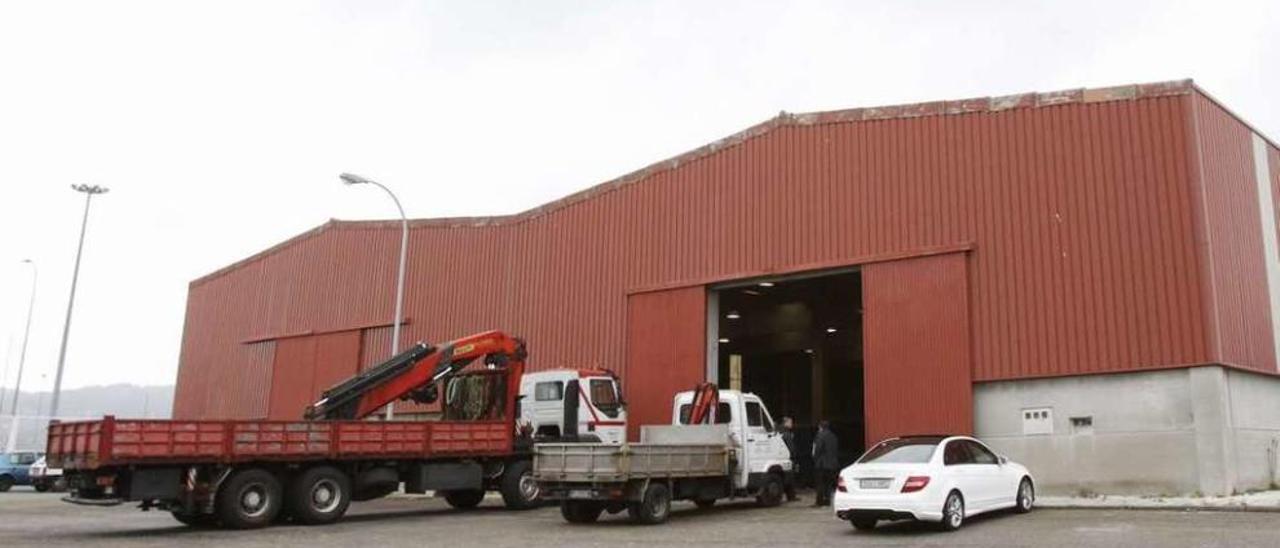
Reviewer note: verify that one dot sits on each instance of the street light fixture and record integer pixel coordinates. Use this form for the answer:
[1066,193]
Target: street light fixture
[352,179]
[22,359]
[89,192]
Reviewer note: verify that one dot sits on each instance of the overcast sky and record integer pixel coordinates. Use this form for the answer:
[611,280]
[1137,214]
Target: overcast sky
[221,126]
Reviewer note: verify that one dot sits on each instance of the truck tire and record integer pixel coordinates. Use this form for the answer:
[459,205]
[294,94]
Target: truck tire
[6,482]
[519,489]
[581,511]
[464,499]
[200,521]
[771,492]
[654,507]
[249,499]
[41,487]
[319,495]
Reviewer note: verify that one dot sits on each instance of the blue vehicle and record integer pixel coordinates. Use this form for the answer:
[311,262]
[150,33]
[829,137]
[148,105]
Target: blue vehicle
[15,468]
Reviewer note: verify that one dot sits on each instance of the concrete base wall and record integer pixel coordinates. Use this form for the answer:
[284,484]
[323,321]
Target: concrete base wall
[1201,430]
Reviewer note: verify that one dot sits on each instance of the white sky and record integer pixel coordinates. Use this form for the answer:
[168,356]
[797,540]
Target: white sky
[221,126]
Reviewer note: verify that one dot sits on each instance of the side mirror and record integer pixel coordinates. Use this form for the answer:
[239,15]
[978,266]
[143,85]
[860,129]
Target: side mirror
[1003,460]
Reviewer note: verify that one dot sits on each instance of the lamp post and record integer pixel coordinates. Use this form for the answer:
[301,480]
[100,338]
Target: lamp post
[351,179]
[89,192]
[22,359]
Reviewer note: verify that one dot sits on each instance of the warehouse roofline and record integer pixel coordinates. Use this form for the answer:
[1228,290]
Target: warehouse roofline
[913,110]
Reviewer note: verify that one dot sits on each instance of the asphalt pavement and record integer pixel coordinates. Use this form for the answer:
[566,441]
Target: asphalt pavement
[32,519]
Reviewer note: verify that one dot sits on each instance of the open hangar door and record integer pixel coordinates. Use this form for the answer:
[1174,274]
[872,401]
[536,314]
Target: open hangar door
[666,352]
[795,341]
[918,374]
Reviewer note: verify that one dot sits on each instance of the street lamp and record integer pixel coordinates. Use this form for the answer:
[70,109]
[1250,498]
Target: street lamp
[351,179]
[89,192]
[22,358]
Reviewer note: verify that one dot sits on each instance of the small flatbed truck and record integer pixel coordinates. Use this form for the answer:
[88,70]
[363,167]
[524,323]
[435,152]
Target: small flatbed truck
[249,473]
[721,444]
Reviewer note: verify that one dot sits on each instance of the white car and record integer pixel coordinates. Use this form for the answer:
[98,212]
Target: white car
[44,478]
[942,479]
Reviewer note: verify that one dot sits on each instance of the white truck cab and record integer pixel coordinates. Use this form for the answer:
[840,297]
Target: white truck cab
[751,429]
[573,404]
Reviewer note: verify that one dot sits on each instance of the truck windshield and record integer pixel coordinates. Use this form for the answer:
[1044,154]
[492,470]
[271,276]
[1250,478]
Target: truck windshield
[905,450]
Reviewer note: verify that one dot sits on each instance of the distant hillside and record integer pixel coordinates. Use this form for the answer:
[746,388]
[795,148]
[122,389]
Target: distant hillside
[121,400]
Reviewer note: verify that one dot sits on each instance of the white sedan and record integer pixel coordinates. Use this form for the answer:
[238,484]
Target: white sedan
[942,479]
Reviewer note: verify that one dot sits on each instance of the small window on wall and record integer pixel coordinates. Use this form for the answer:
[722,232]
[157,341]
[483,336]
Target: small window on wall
[548,391]
[1037,421]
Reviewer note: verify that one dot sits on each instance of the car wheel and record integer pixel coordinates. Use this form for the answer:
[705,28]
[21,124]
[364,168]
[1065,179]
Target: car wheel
[953,512]
[319,495]
[464,499]
[579,511]
[519,488]
[1026,496]
[863,524]
[41,487]
[771,492]
[6,482]
[654,508]
[249,499]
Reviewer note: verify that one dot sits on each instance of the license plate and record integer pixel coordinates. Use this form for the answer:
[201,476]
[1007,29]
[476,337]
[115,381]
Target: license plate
[873,483]
[579,494]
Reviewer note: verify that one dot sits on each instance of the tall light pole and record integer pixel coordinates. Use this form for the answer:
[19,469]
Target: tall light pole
[22,358]
[89,192]
[350,179]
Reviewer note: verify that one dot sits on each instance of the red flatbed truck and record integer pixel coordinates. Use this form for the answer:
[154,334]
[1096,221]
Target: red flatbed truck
[249,473]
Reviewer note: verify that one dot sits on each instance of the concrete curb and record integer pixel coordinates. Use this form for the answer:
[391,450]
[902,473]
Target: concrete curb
[1063,505]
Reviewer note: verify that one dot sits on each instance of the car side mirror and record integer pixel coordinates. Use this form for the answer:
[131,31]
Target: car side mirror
[1003,460]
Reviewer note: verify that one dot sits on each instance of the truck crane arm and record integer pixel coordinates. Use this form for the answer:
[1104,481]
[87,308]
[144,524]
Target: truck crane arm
[414,374]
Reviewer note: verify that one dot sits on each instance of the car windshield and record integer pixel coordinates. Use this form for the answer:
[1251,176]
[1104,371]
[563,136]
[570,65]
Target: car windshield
[905,450]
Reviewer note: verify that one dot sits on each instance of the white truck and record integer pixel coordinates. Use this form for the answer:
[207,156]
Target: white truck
[738,454]
[573,405]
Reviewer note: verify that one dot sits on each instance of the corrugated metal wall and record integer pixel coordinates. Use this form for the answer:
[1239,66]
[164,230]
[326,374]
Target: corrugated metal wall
[917,333]
[1237,288]
[1077,207]
[666,332]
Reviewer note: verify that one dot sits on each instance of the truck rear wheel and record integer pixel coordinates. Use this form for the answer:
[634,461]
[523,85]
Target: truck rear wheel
[654,507]
[519,490]
[464,499]
[581,511]
[319,495]
[248,499]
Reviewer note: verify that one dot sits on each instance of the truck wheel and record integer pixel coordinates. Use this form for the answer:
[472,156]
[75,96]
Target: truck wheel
[195,520]
[519,490]
[654,508]
[465,499]
[41,487]
[771,492]
[6,482]
[319,495]
[577,511]
[248,499]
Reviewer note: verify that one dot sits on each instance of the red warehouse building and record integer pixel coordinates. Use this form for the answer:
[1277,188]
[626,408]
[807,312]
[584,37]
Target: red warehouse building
[1088,279]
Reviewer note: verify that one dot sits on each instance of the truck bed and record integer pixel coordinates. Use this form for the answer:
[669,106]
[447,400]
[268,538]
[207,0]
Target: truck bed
[109,442]
[602,463]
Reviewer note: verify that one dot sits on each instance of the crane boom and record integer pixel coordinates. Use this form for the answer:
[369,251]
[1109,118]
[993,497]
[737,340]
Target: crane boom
[414,375]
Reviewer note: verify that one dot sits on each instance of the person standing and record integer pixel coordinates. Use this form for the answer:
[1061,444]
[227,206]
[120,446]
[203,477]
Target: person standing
[825,462]
[789,438]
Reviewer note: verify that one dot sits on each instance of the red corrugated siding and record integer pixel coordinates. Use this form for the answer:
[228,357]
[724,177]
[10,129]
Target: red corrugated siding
[917,347]
[1238,284]
[666,352]
[1084,256]
[306,366]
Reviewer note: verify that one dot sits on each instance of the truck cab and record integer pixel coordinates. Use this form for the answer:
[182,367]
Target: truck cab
[573,405]
[751,429]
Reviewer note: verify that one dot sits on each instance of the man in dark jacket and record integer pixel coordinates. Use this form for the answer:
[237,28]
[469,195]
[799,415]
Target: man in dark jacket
[789,438]
[826,461]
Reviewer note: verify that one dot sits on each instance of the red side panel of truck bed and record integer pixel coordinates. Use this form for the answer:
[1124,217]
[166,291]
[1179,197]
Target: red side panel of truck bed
[112,442]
